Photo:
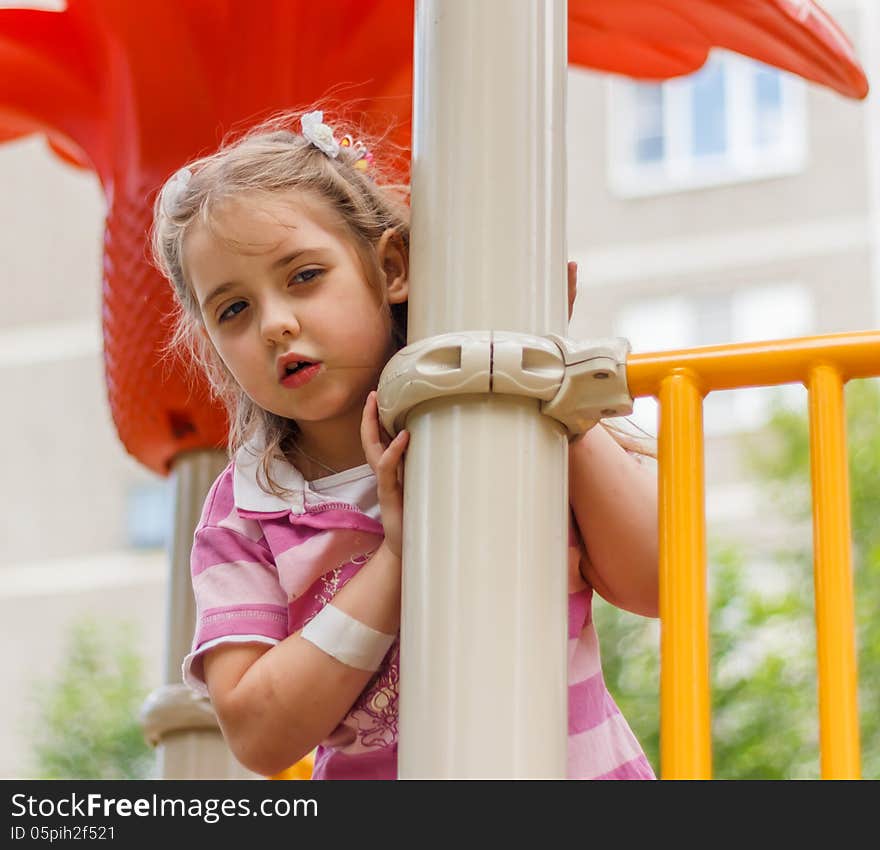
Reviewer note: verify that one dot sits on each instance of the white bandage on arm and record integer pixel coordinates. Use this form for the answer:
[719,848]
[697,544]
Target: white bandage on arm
[348,640]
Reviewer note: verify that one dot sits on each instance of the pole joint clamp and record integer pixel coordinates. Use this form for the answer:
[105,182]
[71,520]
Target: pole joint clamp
[578,382]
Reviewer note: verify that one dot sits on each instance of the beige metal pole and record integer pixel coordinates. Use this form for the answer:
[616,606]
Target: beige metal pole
[483,670]
[182,726]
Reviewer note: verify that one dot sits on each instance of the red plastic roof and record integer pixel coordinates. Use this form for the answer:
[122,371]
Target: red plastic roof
[133,90]
[656,39]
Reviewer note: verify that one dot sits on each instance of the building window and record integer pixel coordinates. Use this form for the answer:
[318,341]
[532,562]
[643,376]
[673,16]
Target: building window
[774,311]
[735,119]
[149,515]
[655,324]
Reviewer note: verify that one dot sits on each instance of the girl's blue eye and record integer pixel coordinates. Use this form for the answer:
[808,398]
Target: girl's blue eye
[306,275]
[232,311]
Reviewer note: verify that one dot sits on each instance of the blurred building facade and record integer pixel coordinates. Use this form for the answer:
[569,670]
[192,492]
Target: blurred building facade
[83,524]
[736,204]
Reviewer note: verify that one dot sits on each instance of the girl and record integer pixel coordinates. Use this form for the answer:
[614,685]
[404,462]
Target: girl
[288,254]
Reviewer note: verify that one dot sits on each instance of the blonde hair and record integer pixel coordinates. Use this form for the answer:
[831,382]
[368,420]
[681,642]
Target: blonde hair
[270,158]
[266,159]
[636,441]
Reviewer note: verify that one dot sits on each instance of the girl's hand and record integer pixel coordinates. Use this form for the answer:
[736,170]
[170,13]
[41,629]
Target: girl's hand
[385,457]
[572,287]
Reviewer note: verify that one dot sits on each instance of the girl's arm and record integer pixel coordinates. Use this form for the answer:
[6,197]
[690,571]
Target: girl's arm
[276,704]
[614,500]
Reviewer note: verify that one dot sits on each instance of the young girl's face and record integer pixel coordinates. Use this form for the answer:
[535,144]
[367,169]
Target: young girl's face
[278,282]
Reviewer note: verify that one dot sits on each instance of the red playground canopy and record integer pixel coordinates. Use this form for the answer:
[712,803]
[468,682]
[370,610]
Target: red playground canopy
[133,90]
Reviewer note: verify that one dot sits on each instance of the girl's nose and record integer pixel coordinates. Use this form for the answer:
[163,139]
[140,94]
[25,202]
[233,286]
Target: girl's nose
[279,322]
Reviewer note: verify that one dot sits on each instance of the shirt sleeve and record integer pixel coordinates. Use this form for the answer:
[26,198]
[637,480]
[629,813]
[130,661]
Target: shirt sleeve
[238,597]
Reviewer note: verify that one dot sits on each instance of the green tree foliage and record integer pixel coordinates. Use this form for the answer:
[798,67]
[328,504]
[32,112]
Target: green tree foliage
[85,722]
[762,634]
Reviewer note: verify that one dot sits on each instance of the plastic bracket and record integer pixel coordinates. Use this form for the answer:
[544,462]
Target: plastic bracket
[577,382]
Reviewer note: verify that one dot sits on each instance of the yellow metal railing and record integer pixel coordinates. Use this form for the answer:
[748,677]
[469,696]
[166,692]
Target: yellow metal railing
[301,770]
[680,380]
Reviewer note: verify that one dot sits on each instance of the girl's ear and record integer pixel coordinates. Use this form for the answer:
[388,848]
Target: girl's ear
[394,261]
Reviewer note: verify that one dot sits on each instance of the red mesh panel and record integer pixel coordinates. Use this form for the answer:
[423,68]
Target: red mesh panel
[159,409]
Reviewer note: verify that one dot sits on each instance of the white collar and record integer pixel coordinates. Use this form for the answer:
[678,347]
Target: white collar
[249,496]
[247,493]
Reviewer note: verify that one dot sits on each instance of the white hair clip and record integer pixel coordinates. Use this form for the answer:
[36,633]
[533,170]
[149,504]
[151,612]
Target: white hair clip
[319,134]
[175,187]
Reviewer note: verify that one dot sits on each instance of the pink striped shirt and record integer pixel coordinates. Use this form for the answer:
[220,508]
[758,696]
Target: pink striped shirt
[262,567]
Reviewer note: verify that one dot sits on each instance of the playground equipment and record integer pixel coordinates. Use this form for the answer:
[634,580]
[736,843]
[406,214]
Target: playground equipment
[680,380]
[91,80]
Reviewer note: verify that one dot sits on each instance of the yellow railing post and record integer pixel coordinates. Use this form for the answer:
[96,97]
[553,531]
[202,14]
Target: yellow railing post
[685,734]
[835,621]
[680,380]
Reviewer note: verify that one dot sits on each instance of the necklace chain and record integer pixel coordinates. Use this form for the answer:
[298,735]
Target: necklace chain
[315,460]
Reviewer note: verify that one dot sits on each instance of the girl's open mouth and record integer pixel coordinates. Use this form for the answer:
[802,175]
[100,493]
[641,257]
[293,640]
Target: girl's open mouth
[298,374]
